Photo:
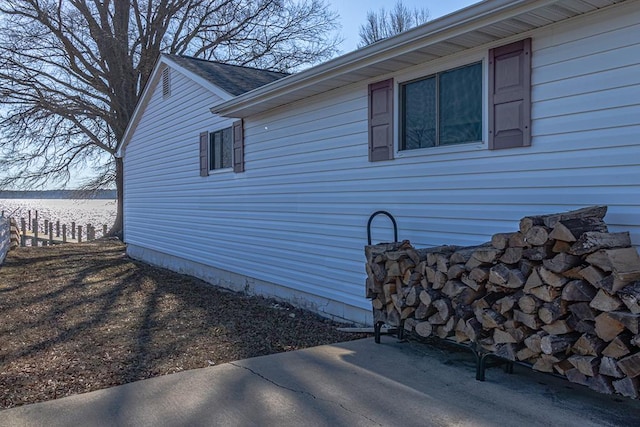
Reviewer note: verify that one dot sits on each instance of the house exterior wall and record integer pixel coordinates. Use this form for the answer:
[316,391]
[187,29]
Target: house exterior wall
[296,218]
[161,175]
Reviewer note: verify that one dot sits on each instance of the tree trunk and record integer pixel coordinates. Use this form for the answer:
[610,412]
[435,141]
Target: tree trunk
[117,230]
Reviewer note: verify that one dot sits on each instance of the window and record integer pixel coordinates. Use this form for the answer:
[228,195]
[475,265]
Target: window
[220,149]
[442,109]
[447,108]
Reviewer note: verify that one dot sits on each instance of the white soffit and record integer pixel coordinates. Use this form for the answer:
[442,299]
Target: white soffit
[476,25]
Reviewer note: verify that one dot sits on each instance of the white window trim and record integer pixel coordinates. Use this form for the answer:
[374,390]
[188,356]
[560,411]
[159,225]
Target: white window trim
[419,72]
[219,171]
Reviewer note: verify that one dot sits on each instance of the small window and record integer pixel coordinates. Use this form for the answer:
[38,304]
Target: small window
[220,149]
[442,109]
[166,83]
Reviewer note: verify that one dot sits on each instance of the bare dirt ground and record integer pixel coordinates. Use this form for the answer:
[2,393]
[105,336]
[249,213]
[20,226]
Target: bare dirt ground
[77,318]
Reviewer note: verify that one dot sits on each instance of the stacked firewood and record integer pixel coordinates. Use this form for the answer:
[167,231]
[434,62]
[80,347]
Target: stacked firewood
[562,294]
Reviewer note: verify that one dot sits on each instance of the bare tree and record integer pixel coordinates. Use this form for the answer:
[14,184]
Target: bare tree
[71,71]
[383,23]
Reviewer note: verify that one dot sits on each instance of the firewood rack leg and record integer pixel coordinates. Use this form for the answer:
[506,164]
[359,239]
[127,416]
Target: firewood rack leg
[376,331]
[482,363]
[481,357]
[377,327]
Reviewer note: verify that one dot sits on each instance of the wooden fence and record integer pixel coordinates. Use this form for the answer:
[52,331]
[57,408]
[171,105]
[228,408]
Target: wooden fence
[5,240]
[32,231]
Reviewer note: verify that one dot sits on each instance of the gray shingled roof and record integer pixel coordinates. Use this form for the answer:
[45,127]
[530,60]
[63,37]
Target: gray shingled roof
[233,79]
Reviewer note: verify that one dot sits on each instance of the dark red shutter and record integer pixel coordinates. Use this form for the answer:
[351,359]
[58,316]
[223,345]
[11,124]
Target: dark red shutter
[381,121]
[204,154]
[238,147]
[510,95]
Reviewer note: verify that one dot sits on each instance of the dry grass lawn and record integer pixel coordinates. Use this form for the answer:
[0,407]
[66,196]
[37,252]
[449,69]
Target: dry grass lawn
[77,318]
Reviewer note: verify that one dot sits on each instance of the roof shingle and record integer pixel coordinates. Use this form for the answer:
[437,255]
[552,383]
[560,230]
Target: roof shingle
[234,79]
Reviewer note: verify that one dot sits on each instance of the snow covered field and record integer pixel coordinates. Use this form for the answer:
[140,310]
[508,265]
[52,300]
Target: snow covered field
[80,211]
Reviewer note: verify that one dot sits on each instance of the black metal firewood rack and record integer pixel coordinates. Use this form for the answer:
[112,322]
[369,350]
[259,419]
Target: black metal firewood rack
[483,359]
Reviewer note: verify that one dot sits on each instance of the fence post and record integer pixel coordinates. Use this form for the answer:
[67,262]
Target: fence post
[58,228]
[104,230]
[23,237]
[34,240]
[79,234]
[73,230]
[29,220]
[64,233]
[14,233]
[51,233]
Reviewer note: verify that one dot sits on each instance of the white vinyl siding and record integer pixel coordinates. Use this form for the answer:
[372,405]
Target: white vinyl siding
[162,157]
[297,216]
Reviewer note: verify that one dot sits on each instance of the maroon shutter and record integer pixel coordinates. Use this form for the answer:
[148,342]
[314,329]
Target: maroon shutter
[510,95]
[238,147]
[381,121]
[204,154]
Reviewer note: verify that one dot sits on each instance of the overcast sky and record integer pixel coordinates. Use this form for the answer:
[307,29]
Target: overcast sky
[354,12]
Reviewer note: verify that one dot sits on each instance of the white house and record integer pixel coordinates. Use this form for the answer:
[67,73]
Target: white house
[458,127]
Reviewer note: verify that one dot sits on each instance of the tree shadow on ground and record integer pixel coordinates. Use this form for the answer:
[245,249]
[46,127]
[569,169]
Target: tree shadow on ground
[76,318]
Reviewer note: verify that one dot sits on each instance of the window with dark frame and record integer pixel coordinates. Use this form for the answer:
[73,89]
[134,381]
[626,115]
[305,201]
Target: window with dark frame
[221,149]
[442,109]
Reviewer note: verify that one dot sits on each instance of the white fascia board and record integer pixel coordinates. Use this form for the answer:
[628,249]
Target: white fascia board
[465,20]
[143,101]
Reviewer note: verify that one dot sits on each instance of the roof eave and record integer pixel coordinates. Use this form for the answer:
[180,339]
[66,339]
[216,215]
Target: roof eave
[464,21]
